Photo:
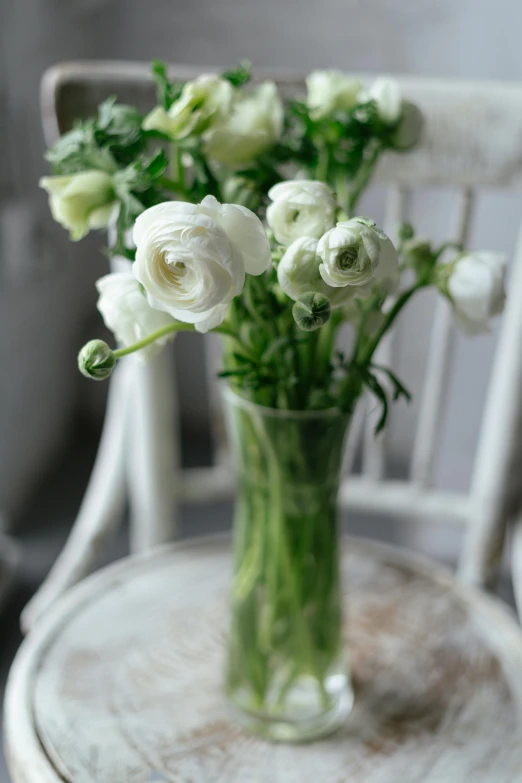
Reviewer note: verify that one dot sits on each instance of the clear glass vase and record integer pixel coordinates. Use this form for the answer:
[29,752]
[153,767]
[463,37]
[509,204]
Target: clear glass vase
[287,675]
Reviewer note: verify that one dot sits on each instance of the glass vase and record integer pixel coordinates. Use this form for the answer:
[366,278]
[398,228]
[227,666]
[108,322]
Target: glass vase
[286,675]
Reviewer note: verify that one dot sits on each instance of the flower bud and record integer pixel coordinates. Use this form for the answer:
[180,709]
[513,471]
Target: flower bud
[82,201]
[408,131]
[311,311]
[202,102]
[96,360]
[329,92]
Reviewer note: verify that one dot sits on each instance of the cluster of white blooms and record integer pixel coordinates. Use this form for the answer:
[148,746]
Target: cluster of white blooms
[236,125]
[330,92]
[340,260]
[191,261]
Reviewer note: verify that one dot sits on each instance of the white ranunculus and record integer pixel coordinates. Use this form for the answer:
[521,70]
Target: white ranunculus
[331,91]
[81,201]
[192,258]
[298,274]
[357,253]
[300,208]
[477,290]
[254,124]
[202,102]
[127,313]
[387,95]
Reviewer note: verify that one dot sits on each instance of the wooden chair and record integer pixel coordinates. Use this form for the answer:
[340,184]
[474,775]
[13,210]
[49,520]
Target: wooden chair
[93,692]
[473,140]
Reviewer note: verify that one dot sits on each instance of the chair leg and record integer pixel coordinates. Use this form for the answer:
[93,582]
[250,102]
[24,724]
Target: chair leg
[102,506]
[516,563]
[153,456]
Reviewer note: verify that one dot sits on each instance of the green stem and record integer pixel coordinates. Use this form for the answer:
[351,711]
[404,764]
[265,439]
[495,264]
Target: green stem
[177,326]
[391,315]
[174,187]
[363,177]
[323,164]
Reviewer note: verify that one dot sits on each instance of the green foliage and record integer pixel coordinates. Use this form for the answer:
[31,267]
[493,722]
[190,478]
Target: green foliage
[278,353]
[240,75]
[167,92]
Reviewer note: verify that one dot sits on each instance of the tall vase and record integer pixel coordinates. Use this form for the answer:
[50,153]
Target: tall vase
[287,675]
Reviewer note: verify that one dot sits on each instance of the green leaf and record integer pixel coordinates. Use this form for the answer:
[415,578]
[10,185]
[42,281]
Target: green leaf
[378,391]
[118,127]
[399,390]
[167,92]
[77,150]
[239,75]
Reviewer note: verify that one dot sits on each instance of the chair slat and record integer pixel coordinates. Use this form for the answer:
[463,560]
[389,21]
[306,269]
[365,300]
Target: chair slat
[374,447]
[217,424]
[437,377]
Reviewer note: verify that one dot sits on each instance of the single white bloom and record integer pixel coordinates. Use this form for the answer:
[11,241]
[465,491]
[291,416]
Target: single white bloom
[357,253]
[298,274]
[127,313]
[81,201]
[254,124]
[202,102]
[477,289]
[387,95]
[331,91]
[192,258]
[300,208]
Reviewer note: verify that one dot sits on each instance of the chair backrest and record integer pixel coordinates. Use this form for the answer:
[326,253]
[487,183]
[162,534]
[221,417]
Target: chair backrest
[472,140]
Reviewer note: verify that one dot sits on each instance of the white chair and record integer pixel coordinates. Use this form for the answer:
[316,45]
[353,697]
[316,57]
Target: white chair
[479,147]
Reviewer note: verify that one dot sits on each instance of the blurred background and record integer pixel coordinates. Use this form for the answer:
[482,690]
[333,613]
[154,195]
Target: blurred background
[50,417]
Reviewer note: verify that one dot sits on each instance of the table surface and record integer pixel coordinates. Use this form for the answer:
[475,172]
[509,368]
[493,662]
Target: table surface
[122,682]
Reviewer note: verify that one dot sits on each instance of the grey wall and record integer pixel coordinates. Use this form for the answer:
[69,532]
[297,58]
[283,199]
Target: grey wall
[46,291]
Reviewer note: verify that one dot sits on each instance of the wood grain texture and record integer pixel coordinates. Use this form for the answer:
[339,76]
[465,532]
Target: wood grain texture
[122,681]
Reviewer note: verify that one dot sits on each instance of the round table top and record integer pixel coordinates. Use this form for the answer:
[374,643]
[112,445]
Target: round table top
[121,682]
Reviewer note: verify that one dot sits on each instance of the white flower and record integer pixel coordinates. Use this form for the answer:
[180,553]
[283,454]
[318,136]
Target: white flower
[254,124]
[298,274]
[127,312]
[477,289]
[301,207]
[387,95]
[357,253]
[80,201]
[202,102]
[192,258]
[331,91]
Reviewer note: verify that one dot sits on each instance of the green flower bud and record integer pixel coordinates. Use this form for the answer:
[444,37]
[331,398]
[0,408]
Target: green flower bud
[311,311]
[418,254]
[96,360]
[406,232]
[408,131]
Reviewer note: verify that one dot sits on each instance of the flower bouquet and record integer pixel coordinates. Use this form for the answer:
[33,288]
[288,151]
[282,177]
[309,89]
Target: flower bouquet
[237,214]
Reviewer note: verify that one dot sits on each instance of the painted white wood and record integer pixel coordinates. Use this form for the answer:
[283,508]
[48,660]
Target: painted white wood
[374,449]
[153,457]
[438,371]
[121,681]
[496,486]
[516,562]
[472,138]
[102,505]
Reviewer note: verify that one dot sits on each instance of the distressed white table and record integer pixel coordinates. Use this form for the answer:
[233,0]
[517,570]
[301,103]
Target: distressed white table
[120,682]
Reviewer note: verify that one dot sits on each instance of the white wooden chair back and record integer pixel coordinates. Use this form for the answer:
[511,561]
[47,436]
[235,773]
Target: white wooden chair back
[472,140]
